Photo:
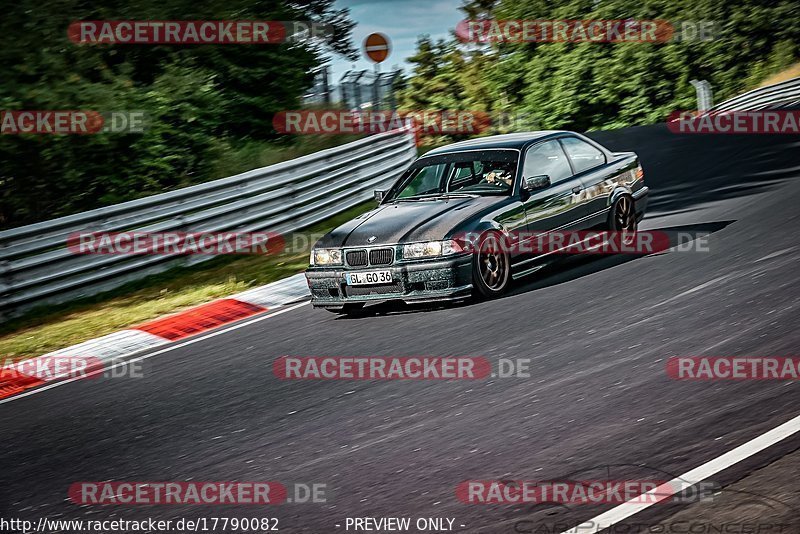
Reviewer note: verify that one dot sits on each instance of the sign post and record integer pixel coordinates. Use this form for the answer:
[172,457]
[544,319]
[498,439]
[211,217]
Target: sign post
[377,48]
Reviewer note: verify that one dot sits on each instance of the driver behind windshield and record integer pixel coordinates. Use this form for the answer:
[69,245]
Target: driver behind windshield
[500,174]
[485,173]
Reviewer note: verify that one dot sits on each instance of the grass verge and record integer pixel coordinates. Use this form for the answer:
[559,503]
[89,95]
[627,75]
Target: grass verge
[788,74]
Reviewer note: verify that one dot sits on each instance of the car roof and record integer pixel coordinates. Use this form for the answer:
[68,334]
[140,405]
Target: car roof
[514,140]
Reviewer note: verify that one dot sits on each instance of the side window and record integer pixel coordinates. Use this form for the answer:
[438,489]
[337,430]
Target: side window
[463,174]
[427,180]
[547,158]
[582,155]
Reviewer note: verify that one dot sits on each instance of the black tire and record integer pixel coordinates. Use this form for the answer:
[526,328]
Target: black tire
[491,267]
[347,309]
[622,218]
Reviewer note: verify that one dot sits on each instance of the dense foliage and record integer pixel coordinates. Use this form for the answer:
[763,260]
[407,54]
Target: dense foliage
[202,103]
[209,108]
[588,85]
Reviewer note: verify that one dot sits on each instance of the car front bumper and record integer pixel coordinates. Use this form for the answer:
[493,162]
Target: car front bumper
[418,281]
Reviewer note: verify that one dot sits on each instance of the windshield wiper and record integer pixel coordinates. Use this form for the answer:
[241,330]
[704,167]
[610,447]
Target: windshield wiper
[410,199]
[460,195]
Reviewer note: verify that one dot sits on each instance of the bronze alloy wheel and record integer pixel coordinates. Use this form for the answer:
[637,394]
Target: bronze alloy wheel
[491,266]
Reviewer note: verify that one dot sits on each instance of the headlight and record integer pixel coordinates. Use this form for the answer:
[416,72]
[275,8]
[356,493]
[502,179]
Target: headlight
[451,247]
[431,248]
[326,256]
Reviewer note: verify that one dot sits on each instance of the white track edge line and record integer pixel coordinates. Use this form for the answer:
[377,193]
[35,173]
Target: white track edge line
[168,348]
[698,474]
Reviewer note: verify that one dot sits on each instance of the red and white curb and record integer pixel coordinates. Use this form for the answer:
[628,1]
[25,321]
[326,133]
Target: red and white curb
[34,372]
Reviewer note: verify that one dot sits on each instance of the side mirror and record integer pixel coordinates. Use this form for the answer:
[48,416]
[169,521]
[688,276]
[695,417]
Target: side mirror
[379,193]
[535,183]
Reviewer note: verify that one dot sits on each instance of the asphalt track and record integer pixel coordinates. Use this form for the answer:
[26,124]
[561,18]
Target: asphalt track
[598,403]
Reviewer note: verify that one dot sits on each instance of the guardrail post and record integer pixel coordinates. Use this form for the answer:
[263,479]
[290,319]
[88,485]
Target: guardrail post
[5,286]
[704,94]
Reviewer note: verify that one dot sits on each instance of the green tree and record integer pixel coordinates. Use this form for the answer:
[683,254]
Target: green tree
[586,86]
[196,98]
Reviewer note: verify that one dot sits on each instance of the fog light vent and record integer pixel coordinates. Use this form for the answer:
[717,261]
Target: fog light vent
[436,284]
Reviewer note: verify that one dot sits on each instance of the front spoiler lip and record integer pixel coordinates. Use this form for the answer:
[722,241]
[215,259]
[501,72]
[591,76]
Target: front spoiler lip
[455,293]
[450,266]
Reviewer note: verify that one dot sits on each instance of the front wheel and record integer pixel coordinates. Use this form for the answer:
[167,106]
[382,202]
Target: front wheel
[491,267]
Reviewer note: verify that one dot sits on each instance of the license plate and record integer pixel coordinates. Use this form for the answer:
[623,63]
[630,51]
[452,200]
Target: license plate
[367,278]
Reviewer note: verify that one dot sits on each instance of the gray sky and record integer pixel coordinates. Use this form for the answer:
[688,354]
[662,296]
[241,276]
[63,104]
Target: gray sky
[402,21]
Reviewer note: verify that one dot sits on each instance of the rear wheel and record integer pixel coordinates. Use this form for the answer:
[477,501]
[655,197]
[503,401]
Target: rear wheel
[491,267]
[623,218]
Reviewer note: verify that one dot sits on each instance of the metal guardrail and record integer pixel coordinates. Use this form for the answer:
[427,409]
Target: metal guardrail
[783,94]
[37,268]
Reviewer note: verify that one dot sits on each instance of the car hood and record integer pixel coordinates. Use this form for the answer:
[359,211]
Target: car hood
[406,222]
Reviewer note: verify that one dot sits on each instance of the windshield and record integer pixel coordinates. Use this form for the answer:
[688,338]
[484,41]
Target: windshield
[480,172]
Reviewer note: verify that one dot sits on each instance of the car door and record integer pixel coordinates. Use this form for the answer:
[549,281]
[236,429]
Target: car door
[559,206]
[589,164]
[508,212]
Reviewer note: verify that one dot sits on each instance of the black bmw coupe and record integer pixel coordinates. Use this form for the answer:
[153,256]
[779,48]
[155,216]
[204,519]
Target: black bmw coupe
[454,224]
